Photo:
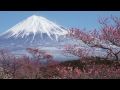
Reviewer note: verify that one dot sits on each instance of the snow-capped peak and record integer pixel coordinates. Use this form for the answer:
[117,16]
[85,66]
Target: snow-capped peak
[35,24]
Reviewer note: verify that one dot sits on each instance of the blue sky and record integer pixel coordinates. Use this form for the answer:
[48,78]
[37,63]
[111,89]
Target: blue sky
[67,19]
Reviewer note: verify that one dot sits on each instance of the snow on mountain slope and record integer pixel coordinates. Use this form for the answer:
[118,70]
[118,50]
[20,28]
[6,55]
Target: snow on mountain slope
[35,25]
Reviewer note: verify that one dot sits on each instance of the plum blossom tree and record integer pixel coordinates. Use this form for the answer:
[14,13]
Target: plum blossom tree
[79,52]
[107,38]
[39,55]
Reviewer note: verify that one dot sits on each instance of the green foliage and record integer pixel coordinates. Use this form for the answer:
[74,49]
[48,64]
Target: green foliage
[74,64]
[99,60]
[90,60]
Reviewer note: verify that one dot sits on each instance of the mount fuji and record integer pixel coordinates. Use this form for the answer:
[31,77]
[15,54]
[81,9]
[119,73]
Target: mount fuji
[33,31]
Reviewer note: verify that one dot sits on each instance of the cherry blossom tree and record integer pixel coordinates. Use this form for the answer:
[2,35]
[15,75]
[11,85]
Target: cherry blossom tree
[106,38]
[39,55]
[79,52]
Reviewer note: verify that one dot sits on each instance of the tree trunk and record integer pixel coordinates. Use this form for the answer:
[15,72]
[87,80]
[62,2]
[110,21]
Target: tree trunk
[116,56]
